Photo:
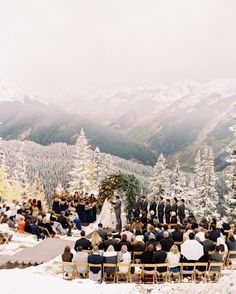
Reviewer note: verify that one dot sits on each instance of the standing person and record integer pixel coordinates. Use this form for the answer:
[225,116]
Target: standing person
[181,211]
[144,205]
[136,204]
[174,210]
[160,209]
[117,207]
[153,208]
[167,211]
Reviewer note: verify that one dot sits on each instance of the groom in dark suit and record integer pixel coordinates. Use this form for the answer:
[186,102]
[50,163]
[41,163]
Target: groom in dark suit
[117,207]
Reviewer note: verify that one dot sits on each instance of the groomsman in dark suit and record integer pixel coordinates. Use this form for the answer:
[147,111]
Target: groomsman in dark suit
[160,209]
[181,211]
[144,205]
[167,211]
[136,205]
[153,207]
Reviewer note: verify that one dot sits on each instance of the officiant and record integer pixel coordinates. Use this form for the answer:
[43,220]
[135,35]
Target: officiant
[117,207]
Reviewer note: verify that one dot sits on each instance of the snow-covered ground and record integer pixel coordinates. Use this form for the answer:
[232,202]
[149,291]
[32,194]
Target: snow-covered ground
[39,280]
[47,278]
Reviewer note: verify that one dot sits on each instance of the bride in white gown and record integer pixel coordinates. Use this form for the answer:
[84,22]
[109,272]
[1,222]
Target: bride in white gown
[105,216]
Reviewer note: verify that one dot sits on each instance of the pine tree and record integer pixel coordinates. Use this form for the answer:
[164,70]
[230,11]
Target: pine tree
[38,191]
[83,171]
[205,180]
[98,167]
[19,172]
[180,184]
[160,184]
[8,187]
[231,181]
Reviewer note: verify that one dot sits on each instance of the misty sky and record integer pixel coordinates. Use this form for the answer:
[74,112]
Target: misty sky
[51,46]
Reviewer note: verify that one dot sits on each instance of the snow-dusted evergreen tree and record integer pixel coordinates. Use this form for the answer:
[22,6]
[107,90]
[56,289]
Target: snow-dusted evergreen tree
[19,173]
[231,181]
[159,182]
[38,191]
[205,182]
[98,167]
[8,187]
[180,184]
[83,171]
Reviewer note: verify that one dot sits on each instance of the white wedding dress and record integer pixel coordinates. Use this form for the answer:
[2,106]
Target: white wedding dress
[105,216]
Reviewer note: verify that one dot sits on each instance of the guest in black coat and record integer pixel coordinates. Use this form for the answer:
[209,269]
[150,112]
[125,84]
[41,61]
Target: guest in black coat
[215,233]
[101,232]
[159,257]
[147,257]
[82,242]
[109,241]
[177,235]
[122,242]
[207,245]
[166,242]
[95,258]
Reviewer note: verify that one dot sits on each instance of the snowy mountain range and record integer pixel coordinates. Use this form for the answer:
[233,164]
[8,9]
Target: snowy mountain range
[131,122]
[175,119]
[29,118]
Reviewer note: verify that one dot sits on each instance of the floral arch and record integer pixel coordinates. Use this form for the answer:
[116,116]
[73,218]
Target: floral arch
[126,185]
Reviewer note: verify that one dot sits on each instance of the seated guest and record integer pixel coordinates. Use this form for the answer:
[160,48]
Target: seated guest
[36,231]
[177,235]
[116,232]
[223,246]
[109,241]
[173,257]
[231,242]
[147,257]
[81,257]
[124,241]
[11,222]
[95,258]
[166,242]
[64,223]
[21,224]
[129,234]
[28,225]
[137,225]
[46,224]
[124,258]
[216,257]
[159,257]
[200,234]
[207,245]
[101,232]
[67,256]
[138,244]
[110,256]
[96,240]
[152,240]
[83,242]
[215,233]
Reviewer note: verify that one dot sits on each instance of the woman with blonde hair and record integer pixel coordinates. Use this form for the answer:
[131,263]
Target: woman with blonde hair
[173,257]
[124,258]
[96,240]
